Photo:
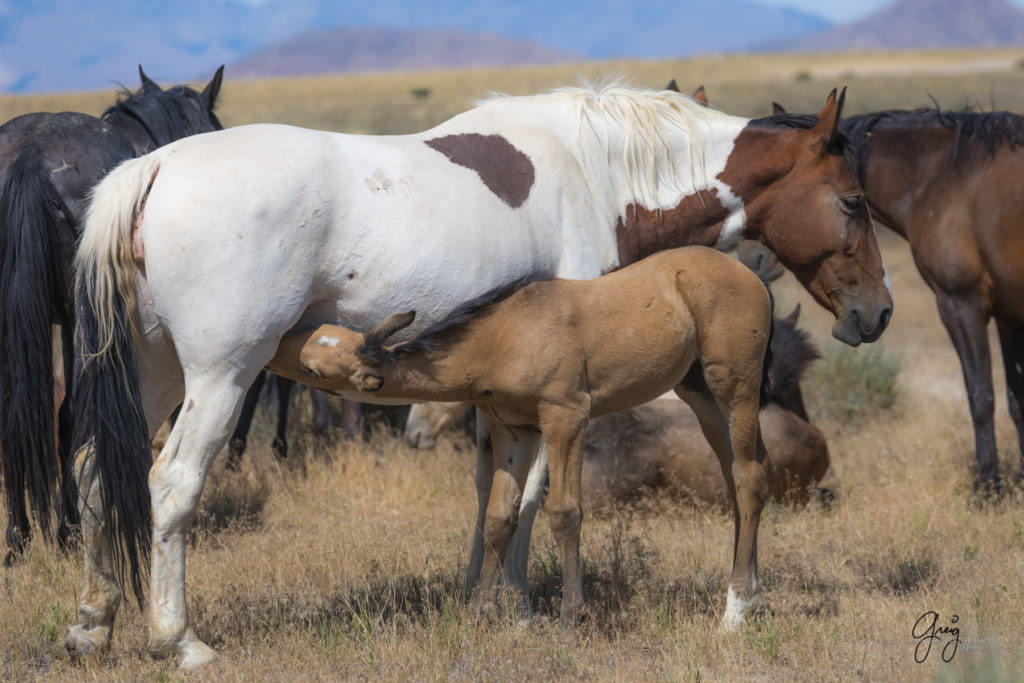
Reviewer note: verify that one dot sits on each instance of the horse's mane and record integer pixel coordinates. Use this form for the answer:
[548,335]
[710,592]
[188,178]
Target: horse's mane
[167,115]
[373,351]
[978,134]
[806,122]
[645,118]
[792,353]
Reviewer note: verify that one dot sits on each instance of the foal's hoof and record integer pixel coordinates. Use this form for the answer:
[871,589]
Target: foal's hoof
[280,448]
[12,558]
[735,609]
[83,641]
[825,498]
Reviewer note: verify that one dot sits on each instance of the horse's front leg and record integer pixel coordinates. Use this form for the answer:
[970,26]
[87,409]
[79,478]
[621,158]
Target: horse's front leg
[1011,338]
[511,463]
[212,402]
[563,430]
[966,321]
[518,556]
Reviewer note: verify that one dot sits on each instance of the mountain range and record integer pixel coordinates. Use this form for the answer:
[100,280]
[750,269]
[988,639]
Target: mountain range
[50,45]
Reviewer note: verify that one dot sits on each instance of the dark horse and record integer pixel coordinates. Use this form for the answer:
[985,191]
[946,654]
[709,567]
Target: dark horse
[48,164]
[950,183]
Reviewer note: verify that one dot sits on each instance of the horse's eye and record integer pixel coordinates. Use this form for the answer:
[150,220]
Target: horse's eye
[851,205]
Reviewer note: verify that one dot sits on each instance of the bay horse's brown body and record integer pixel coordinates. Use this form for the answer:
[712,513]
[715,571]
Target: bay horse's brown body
[952,184]
[691,320]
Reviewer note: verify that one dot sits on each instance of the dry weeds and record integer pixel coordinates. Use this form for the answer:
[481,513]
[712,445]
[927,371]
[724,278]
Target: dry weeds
[353,569]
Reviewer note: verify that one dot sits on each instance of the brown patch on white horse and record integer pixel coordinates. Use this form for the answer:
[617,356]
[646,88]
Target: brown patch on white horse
[506,171]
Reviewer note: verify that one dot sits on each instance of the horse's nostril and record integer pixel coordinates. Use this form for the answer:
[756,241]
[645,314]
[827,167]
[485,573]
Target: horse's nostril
[883,321]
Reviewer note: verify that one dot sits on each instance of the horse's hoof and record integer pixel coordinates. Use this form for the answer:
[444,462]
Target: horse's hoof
[12,558]
[196,654]
[83,641]
[985,494]
[735,609]
[280,447]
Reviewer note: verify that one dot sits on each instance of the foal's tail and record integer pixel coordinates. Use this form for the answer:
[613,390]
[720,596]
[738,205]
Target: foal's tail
[107,396]
[35,293]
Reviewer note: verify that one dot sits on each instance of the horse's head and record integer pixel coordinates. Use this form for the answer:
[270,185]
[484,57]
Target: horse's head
[760,259]
[152,117]
[797,178]
[371,355]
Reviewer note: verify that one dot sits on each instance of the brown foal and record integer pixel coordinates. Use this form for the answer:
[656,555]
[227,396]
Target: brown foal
[692,320]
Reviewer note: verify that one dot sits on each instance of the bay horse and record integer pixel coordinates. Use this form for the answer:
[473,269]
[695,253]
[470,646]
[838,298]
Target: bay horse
[949,183]
[658,446]
[48,164]
[690,320]
[212,248]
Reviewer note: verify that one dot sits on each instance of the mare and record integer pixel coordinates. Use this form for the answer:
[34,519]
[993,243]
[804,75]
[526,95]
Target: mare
[658,446]
[690,320]
[212,248]
[48,164]
[948,182]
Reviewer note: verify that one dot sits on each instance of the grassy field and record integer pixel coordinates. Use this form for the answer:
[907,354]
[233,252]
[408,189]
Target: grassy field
[352,569]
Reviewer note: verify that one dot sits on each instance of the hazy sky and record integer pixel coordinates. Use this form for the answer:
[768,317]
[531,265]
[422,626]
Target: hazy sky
[839,10]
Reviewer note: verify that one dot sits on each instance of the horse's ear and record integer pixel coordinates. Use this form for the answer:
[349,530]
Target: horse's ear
[212,89]
[827,129]
[672,85]
[778,108]
[700,96]
[391,324]
[793,316]
[147,82]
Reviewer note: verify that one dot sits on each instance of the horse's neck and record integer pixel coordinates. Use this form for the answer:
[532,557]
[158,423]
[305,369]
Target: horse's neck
[133,130]
[687,203]
[902,160]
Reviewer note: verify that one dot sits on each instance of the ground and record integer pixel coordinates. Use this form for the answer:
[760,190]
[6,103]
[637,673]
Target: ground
[351,566]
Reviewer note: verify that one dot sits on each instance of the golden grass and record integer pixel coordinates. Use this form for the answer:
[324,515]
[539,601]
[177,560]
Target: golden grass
[354,570]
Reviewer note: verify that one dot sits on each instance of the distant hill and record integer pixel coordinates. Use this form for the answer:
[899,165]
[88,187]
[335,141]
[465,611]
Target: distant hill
[70,44]
[922,24]
[367,48]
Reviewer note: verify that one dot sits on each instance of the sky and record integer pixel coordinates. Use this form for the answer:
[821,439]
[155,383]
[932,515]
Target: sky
[839,10]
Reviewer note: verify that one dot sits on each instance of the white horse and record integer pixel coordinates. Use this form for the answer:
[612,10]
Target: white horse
[196,260]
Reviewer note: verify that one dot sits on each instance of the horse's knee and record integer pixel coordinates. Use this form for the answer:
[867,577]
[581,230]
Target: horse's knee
[565,518]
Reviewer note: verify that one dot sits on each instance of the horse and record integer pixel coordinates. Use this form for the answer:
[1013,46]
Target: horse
[212,248]
[48,164]
[659,447]
[690,320]
[946,182]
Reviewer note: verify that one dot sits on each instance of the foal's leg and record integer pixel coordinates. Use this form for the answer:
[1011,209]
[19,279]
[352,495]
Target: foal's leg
[966,321]
[563,434]
[510,467]
[212,401]
[1011,339]
[727,408]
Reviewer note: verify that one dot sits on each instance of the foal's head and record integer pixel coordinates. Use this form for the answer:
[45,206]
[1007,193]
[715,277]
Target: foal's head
[804,201]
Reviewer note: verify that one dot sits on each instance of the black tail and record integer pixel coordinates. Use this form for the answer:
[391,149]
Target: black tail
[107,397]
[766,369]
[34,288]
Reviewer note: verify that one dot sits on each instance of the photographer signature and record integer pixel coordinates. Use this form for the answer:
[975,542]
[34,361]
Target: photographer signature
[927,630]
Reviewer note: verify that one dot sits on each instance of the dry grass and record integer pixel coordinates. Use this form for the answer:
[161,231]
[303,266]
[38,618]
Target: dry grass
[354,570]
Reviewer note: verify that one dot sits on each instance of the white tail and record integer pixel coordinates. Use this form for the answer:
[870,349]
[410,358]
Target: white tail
[104,265]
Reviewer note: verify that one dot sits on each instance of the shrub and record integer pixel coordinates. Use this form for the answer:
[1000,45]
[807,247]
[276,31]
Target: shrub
[851,383]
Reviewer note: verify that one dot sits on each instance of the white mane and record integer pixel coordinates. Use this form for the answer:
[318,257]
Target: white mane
[647,119]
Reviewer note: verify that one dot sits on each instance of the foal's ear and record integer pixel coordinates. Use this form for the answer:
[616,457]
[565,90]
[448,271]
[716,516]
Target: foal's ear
[778,108]
[827,128]
[793,316]
[147,82]
[209,94]
[672,85]
[391,324]
[700,96]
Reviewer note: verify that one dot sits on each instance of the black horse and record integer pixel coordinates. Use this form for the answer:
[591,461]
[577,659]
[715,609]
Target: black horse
[48,164]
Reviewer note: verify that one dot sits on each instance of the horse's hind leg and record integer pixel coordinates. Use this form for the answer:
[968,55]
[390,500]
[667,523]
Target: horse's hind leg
[727,408]
[212,401]
[101,595]
[18,528]
[1011,339]
[966,322]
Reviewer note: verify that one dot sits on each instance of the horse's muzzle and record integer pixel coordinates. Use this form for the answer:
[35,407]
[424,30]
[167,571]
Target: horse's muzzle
[856,325]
